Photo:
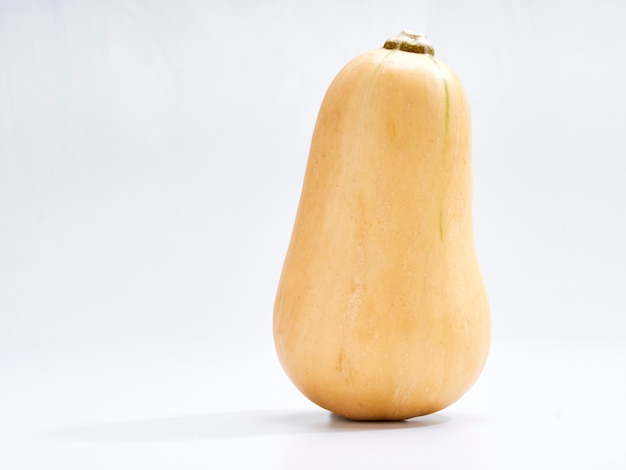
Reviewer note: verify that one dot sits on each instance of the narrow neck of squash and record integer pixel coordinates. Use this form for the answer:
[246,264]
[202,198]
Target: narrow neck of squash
[410,42]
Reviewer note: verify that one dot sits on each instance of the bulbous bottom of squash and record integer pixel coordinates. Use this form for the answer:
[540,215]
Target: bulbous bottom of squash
[359,411]
[359,398]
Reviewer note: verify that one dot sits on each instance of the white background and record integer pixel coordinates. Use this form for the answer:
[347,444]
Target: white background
[151,160]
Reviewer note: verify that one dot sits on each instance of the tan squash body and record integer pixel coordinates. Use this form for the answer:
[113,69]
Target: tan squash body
[381,312]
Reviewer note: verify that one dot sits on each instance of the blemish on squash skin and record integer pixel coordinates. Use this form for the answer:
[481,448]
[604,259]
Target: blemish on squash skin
[344,369]
[446,141]
[447,92]
[340,361]
[445,85]
[379,65]
[441,225]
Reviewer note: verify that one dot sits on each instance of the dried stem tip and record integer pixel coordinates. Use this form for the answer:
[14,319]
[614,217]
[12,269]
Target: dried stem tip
[410,42]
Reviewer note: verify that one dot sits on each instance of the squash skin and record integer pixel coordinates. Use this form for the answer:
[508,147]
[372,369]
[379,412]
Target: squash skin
[381,311]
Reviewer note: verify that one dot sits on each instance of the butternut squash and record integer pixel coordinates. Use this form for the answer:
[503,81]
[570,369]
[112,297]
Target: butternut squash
[381,312]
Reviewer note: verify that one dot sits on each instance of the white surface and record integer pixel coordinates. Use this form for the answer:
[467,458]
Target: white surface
[151,157]
[537,405]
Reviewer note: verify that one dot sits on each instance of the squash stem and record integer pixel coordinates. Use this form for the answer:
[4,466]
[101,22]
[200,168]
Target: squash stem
[410,42]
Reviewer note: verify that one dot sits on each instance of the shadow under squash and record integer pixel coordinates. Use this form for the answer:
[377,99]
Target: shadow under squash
[230,425]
